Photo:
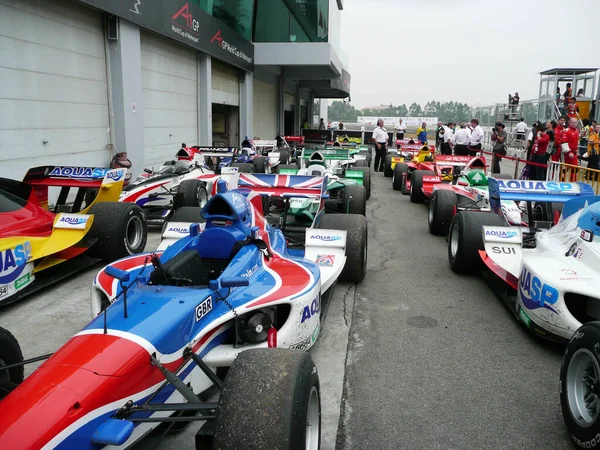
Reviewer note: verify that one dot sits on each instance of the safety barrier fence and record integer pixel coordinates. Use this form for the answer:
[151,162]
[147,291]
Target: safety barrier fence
[559,171]
[514,165]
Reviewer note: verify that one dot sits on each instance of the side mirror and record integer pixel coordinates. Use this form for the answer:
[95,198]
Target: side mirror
[119,274]
[113,432]
[148,170]
[234,282]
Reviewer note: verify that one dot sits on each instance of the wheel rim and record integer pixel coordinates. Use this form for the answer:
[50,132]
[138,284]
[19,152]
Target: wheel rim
[583,385]
[313,420]
[135,232]
[454,240]
[202,197]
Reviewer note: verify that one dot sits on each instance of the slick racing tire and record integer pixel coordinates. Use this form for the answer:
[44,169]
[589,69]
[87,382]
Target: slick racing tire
[466,239]
[440,212]
[387,168]
[366,179]
[120,228]
[10,353]
[368,155]
[355,199]
[361,163]
[190,193]
[579,394]
[261,165]
[416,185]
[281,167]
[188,214]
[244,167]
[399,178]
[356,243]
[284,157]
[271,399]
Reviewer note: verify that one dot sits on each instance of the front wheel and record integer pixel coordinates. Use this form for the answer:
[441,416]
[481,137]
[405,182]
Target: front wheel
[416,185]
[440,212]
[190,193]
[387,168]
[355,199]
[10,353]
[580,386]
[271,399]
[400,177]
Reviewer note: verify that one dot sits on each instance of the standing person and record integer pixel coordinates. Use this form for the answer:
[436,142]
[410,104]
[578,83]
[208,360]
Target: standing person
[521,129]
[583,137]
[322,124]
[568,94]
[422,133]
[539,153]
[380,137]
[530,140]
[514,103]
[400,129]
[341,126]
[570,137]
[592,156]
[448,136]
[580,93]
[573,109]
[476,137]
[461,141]
[558,136]
[499,136]
[439,136]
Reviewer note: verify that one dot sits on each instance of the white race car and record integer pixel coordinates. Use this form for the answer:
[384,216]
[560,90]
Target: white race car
[552,272]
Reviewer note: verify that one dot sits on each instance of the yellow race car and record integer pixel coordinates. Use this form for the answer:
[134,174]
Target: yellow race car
[73,235]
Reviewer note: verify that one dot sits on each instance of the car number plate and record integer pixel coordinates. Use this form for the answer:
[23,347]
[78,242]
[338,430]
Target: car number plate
[203,308]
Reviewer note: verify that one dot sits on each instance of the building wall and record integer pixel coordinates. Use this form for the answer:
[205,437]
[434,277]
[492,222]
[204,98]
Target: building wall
[265,110]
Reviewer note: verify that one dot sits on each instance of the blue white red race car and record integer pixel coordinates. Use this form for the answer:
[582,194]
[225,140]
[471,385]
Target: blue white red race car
[240,293]
[39,246]
[550,271]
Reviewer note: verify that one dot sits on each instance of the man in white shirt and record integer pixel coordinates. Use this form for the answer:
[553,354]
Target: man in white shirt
[520,130]
[461,140]
[400,129]
[448,139]
[380,137]
[476,138]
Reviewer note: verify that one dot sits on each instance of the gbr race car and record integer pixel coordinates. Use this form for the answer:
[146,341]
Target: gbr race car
[550,272]
[236,294]
[39,247]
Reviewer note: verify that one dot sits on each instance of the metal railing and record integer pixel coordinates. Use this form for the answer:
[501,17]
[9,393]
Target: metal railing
[559,171]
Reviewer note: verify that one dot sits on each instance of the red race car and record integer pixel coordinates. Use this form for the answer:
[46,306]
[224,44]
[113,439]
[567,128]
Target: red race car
[417,177]
[406,150]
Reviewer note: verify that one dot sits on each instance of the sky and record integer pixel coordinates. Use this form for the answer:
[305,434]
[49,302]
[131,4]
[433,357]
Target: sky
[470,51]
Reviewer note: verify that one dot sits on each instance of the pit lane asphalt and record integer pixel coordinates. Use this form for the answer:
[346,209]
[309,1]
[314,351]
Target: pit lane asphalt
[435,360]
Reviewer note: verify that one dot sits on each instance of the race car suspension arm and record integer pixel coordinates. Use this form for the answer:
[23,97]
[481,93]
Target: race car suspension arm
[131,408]
[181,387]
[26,361]
[188,353]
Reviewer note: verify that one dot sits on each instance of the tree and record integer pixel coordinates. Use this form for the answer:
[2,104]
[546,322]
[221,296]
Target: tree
[341,111]
[415,110]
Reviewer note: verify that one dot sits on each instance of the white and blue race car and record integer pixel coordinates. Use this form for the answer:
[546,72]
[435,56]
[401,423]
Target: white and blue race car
[551,271]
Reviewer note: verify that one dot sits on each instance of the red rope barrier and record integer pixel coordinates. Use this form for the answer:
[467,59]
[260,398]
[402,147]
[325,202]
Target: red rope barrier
[512,158]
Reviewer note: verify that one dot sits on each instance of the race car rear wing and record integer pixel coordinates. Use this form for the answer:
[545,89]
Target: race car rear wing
[535,191]
[294,139]
[265,143]
[285,186]
[71,176]
[223,152]
[452,160]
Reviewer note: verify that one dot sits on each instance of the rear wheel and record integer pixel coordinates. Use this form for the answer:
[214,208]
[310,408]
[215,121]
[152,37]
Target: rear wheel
[366,179]
[244,167]
[368,155]
[10,353]
[416,185]
[284,157]
[579,393]
[271,399]
[361,163]
[466,239]
[399,178]
[355,199]
[387,168]
[441,209]
[120,228]
[190,193]
[356,243]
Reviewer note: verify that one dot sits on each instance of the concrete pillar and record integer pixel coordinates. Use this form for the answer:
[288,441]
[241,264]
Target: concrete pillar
[323,109]
[297,115]
[280,103]
[311,108]
[204,99]
[126,98]
[247,105]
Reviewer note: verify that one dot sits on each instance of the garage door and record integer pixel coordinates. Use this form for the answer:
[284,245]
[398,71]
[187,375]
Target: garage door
[225,84]
[170,88]
[288,101]
[53,89]
[265,110]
